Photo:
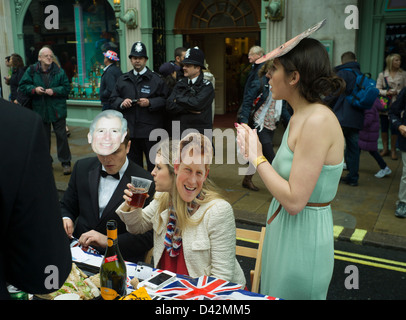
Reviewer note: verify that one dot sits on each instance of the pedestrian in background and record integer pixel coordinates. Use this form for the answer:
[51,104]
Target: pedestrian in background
[109,77]
[368,139]
[351,119]
[398,120]
[179,54]
[389,83]
[252,89]
[7,62]
[168,72]
[267,113]
[18,69]
[48,86]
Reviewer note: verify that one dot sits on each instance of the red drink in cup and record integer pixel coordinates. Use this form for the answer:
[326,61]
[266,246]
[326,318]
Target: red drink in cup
[139,189]
[138,198]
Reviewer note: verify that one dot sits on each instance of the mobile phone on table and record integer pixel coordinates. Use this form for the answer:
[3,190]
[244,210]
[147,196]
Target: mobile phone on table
[160,280]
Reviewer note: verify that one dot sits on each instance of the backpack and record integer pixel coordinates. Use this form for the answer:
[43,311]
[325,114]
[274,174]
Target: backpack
[365,91]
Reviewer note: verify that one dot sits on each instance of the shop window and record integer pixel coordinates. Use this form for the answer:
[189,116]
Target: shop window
[158,36]
[395,41]
[87,28]
[395,5]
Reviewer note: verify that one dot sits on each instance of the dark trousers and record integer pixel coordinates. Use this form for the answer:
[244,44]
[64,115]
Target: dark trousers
[352,153]
[266,137]
[385,124]
[378,158]
[62,145]
[139,148]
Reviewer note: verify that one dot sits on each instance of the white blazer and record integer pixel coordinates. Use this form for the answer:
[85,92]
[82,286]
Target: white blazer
[208,247]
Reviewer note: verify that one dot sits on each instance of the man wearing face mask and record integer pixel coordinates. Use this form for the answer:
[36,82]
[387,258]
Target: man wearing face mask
[140,95]
[96,187]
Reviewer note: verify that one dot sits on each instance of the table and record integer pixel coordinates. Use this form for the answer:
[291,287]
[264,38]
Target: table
[182,288]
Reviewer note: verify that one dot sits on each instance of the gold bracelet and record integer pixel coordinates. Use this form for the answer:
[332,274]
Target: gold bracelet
[259,160]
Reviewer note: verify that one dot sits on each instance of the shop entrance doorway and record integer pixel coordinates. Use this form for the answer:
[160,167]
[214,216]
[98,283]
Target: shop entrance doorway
[227,59]
[224,30]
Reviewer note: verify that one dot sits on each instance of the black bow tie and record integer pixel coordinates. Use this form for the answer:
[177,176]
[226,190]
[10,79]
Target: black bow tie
[105,174]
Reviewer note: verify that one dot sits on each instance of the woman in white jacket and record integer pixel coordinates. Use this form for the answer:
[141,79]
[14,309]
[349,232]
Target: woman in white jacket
[194,227]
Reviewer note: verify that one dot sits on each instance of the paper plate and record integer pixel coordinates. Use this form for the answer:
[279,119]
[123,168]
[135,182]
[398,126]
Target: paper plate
[289,45]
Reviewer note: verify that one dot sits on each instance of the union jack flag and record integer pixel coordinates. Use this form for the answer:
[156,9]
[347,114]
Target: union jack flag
[202,288]
[75,243]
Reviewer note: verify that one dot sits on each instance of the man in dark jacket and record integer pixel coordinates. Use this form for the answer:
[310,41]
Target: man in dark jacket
[191,99]
[109,78]
[48,86]
[96,190]
[397,117]
[30,223]
[178,62]
[351,118]
[252,86]
[252,89]
[140,95]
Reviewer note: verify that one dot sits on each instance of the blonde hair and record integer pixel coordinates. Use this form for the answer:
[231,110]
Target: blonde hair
[389,60]
[168,150]
[176,153]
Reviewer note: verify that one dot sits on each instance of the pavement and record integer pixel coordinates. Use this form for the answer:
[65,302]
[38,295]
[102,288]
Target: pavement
[363,214]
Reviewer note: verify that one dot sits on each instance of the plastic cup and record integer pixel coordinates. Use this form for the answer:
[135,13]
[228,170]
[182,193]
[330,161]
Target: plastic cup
[139,188]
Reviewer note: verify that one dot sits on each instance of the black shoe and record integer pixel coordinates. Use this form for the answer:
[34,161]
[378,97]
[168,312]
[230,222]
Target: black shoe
[250,186]
[349,182]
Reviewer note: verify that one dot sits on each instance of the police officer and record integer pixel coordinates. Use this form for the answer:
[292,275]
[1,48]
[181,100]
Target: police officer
[191,99]
[140,95]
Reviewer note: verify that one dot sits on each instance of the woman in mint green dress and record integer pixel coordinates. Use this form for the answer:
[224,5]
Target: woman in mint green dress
[298,252]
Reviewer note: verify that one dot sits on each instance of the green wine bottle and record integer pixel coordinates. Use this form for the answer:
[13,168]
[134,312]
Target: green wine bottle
[113,271]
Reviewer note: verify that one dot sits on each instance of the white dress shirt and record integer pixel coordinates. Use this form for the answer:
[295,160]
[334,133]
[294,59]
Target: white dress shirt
[107,186]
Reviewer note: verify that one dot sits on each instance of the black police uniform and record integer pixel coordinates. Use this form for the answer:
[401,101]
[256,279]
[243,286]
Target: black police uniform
[191,104]
[141,120]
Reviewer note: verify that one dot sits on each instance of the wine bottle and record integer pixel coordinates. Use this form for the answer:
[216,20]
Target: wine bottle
[113,271]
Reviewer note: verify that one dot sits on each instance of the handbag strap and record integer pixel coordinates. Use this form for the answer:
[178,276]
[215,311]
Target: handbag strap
[387,84]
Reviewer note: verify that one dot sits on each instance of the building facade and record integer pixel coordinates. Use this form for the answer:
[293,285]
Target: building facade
[79,31]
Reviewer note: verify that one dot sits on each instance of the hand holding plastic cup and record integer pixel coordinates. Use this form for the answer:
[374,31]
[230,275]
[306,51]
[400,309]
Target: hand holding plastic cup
[139,188]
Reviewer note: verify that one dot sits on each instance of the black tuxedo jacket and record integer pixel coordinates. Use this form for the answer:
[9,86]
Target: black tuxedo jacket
[30,219]
[80,203]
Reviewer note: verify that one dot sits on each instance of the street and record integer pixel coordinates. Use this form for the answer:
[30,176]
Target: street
[360,272]
[382,280]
